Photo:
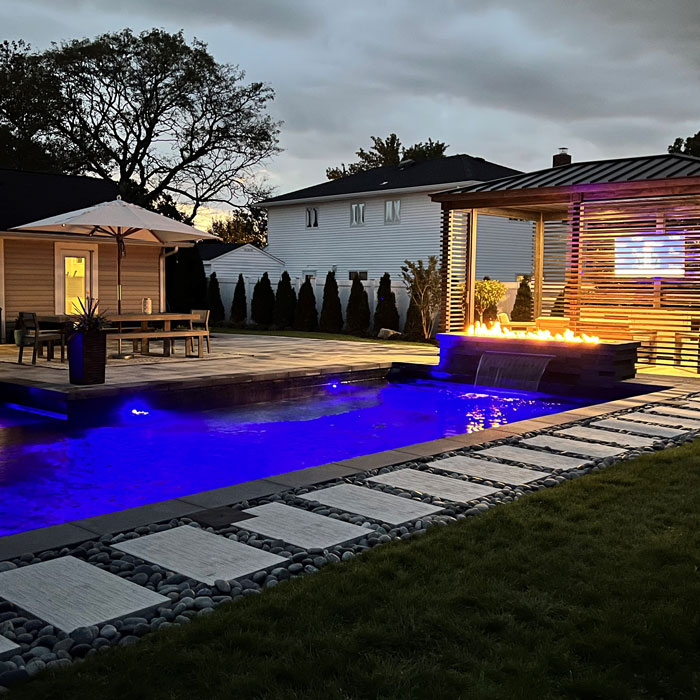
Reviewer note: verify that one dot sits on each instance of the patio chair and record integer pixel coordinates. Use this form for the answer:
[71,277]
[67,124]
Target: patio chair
[202,323]
[34,336]
[504,319]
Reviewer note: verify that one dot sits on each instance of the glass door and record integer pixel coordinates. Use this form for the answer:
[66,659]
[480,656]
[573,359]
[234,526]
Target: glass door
[76,280]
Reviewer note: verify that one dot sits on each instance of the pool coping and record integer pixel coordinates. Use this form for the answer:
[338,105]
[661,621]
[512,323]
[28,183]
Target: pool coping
[76,531]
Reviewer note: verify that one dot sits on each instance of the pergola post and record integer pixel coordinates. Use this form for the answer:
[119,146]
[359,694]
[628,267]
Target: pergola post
[538,270]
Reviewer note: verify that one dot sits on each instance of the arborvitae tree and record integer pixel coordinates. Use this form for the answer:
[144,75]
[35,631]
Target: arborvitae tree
[331,320]
[285,303]
[386,315]
[239,305]
[262,305]
[523,308]
[357,313]
[217,314]
[306,316]
[185,281]
[413,327]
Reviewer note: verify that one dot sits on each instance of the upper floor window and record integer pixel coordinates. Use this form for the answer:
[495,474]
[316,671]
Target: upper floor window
[357,214]
[311,217]
[392,211]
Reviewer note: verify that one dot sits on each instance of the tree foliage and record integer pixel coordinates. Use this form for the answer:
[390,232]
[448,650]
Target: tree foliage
[386,315]
[239,304]
[306,316]
[690,145]
[523,307]
[423,284]
[388,151]
[331,320]
[244,225]
[285,303]
[262,305]
[217,314]
[155,114]
[357,314]
[185,281]
[487,294]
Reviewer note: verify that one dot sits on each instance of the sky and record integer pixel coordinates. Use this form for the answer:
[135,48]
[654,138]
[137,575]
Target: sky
[509,80]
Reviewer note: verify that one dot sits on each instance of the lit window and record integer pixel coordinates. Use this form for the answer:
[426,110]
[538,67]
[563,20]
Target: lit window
[360,274]
[392,211]
[357,214]
[311,217]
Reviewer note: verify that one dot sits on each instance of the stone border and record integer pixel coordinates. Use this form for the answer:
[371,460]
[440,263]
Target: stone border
[42,646]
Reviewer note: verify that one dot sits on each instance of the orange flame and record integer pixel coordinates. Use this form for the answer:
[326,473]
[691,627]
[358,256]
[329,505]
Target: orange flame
[481,330]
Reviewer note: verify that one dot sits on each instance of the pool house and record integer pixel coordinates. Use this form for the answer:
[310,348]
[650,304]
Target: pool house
[616,250]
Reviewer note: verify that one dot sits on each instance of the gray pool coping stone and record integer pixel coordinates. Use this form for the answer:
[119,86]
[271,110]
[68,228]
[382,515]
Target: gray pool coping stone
[74,532]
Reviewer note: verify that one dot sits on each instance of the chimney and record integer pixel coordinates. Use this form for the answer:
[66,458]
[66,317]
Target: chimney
[561,158]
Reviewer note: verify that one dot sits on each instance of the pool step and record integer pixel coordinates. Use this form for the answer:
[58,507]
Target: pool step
[200,555]
[443,487]
[536,458]
[371,503]
[301,527]
[607,436]
[638,428]
[484,469]
[575,447]
[69,593]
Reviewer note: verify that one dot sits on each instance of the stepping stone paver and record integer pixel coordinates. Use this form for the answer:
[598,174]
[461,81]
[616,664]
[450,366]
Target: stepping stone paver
[663,420]
[484,469]
[676,411]
[8,648]
[371,503]
[300,527]
[640,428]
[537,458]
[608,436]
[443,487]
[69,593]
[585,449]
[200,555]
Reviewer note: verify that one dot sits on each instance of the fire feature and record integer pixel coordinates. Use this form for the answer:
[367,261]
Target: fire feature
[481,330]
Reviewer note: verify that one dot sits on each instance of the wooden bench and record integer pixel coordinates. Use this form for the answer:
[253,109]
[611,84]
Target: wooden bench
[137,335]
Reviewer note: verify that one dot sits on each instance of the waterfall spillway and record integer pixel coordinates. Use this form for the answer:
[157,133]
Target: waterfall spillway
[511,370]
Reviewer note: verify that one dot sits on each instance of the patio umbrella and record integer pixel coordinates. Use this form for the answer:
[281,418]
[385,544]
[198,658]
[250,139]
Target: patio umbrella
[119,220]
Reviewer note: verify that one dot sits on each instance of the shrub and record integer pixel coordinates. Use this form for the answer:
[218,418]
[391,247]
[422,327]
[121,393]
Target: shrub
[239,305]
[331,320]
[423,284]
[262,305]
[357,313]
[523,307]
[217,314]
[285,303]
[185,281]
[306,316]
[487,294]
[413,327]
[386,315]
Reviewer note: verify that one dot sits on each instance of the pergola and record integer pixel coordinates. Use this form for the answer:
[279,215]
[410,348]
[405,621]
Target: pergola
[616,249]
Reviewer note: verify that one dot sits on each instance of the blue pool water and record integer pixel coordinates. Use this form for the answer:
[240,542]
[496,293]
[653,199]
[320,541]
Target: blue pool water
[63,474]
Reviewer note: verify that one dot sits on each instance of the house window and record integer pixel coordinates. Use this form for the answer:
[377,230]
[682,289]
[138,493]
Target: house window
[392,211]
[360,274]
[357,214]
[311,217]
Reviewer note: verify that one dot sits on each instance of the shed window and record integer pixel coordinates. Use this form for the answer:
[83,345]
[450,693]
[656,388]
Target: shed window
[361,274]
[311,217]
[392,211]
[357,214]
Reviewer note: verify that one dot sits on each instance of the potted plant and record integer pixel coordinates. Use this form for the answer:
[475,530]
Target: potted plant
[87,344]
[19,333]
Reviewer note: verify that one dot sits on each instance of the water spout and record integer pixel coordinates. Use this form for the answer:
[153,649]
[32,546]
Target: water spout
[511,370]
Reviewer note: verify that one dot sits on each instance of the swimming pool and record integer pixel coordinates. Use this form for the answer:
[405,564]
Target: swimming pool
[59,473]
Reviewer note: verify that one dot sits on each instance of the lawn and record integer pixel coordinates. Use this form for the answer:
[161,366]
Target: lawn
[589,590]
[318,336]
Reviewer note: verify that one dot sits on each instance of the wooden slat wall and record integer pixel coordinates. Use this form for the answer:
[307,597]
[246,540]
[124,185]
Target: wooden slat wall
[455,260]
[140,277]
[29,277]
[629,269]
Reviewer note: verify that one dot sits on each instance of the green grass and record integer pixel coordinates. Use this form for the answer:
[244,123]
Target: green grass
[317,336]
[587,591]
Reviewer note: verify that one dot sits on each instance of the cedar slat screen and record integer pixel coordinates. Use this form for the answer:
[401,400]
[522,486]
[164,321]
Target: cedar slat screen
[455,264]
[629,269]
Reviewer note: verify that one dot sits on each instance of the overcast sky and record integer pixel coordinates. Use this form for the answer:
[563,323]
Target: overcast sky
[508,80]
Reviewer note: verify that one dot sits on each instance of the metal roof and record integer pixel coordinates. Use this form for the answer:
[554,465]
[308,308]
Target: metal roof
[636,169]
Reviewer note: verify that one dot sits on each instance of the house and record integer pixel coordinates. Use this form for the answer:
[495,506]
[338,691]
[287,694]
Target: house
[369,223]
[45,273]
[617,249]
[229,260]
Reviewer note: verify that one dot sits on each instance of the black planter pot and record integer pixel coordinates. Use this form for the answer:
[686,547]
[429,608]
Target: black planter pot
[87,357]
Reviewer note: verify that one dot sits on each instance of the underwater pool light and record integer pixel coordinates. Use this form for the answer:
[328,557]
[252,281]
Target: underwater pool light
[137,412]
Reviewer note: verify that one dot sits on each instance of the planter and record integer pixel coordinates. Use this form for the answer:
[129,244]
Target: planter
[87,357]
[19,338]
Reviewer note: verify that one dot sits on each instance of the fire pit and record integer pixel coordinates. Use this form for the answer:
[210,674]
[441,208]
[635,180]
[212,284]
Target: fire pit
[570,359]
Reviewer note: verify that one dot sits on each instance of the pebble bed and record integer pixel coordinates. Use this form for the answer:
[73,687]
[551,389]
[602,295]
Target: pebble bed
[42,646]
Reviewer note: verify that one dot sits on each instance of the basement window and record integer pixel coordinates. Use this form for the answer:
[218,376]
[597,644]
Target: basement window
[360,274]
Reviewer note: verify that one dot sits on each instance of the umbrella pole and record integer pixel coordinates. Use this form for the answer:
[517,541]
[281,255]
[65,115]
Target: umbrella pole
[119,275]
